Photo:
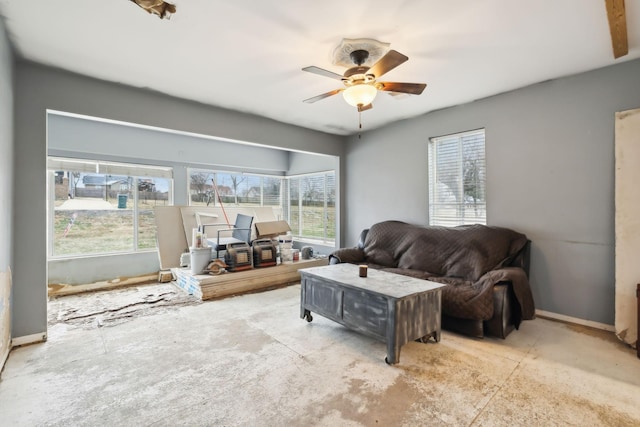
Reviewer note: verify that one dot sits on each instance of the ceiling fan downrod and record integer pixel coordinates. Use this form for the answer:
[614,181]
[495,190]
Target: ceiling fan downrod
[359,56]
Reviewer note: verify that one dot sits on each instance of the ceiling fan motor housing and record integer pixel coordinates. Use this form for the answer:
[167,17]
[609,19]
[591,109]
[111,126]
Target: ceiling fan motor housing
[357,75]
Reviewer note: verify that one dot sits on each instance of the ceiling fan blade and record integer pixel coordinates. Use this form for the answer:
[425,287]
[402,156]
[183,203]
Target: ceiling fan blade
[412,88]
[617,27]
[322,72]
[387,63]
[323,96]
[362,108]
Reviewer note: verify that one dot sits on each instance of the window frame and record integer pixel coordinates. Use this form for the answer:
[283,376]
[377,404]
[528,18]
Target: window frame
[455,169]
[285,200]
[100,167]
[325,239]
[215,173]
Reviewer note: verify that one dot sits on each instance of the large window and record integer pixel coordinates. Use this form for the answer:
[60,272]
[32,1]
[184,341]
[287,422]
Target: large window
[101,207]
[311,210]
[306,202]
[235,189]
[457,179]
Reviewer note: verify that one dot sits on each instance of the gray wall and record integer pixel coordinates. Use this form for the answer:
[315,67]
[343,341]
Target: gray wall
[6,187]
[92,269]
[303,163]
[101,140]
[39,88]
[550,171]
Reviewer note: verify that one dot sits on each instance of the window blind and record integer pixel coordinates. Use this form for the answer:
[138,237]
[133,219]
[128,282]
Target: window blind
[457,179]
[99,167]
[312,206]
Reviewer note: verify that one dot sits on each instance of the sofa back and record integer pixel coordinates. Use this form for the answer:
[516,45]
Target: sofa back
[467,251]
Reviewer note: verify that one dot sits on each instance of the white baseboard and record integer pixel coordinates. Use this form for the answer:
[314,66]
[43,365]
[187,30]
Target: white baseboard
[577,321]
[29,339]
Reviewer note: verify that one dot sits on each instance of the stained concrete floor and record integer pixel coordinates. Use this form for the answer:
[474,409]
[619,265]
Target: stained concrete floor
[251,360]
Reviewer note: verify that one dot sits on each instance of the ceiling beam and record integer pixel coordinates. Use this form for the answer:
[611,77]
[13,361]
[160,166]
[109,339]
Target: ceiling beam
[618,27]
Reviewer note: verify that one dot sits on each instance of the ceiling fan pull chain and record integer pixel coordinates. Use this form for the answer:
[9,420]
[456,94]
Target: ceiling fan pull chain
[360,119]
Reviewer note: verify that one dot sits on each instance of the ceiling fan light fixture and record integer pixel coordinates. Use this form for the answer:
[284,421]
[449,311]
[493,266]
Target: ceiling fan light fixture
[361,94]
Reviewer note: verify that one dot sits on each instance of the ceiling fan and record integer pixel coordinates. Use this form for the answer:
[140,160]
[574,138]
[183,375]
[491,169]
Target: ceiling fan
[361,82]
[157,7]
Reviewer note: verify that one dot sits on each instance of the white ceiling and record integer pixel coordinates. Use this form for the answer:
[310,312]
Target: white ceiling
[247,55]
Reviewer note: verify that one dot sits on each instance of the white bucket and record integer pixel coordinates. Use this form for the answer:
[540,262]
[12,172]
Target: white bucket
[286,255]
[200,258]
[285,242]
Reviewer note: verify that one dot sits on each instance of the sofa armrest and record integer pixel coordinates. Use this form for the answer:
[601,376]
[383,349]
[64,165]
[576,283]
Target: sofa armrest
[348,255]
[522,258]
[520,286]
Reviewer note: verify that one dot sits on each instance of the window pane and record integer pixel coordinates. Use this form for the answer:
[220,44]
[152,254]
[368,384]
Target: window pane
[201,188]
[306,202]
[330,217]
[97,213]
[457,175]
[152,192]
[312,206]
[250,191]
[233,189]
[236,189]
[94,216]
[312,189]
[272,188]
[294,207]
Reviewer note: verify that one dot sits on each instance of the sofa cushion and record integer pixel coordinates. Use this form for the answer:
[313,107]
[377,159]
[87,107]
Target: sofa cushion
[383,243]
[465,252]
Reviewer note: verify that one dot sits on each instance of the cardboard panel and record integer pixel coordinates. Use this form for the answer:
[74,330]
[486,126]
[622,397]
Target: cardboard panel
[171,239]
[271,228]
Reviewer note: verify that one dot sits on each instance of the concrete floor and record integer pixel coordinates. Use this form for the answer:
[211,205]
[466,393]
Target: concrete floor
[251,360]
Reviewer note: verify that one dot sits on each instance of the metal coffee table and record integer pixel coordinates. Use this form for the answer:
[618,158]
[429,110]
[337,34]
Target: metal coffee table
[390,307]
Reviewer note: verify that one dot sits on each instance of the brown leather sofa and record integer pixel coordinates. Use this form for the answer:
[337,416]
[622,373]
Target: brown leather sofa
[485,268]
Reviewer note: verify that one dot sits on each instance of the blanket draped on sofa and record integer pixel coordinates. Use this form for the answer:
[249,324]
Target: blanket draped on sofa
[471,259]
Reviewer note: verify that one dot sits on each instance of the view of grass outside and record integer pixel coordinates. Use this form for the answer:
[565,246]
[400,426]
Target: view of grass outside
[147,223]
[98,219]
[314,221]
[86,231]
[91,232]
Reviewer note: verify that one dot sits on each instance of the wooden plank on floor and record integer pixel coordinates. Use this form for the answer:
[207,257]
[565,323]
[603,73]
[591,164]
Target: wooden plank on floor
[61,289]
[209,287]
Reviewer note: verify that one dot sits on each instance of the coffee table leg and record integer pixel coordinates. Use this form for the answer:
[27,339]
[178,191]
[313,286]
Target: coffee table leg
[393,354]
[307,315]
